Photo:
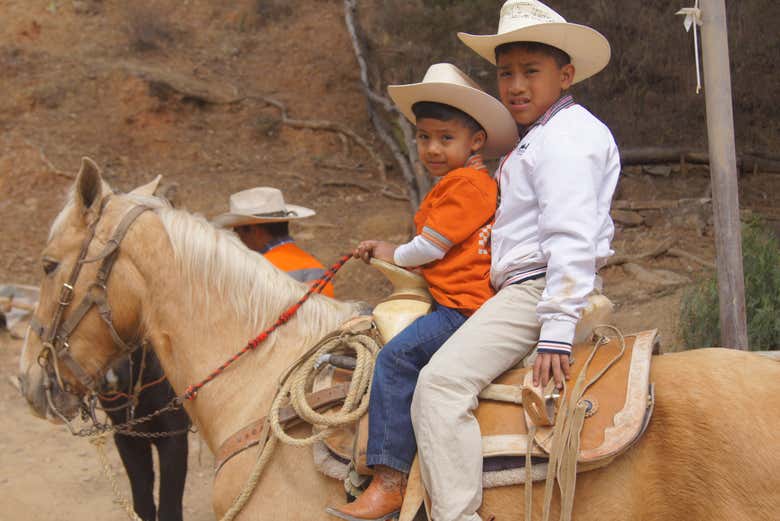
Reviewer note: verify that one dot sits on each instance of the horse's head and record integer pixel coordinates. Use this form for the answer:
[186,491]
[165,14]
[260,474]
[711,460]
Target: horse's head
[90,298]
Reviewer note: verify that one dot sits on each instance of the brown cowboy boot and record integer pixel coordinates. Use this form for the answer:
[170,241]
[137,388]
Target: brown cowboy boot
[381,501]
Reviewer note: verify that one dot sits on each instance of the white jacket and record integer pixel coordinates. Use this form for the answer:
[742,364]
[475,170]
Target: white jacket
[556,188]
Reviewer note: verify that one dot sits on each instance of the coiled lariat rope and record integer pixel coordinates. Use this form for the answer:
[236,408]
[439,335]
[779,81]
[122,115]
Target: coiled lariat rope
[293,387]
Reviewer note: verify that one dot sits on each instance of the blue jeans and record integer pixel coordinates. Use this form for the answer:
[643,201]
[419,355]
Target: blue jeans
[390,434]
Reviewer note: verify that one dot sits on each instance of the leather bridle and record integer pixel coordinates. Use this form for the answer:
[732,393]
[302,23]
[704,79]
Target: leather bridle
[55,338]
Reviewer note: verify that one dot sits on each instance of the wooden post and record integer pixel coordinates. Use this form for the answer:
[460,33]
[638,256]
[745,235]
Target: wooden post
[723,172]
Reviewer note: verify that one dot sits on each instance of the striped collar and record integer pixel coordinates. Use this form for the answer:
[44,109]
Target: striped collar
[276,241]
[563,102]
[475,161]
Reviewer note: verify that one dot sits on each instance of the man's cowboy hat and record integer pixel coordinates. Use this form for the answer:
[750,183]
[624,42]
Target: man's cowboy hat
[260,205]
[532,21]
[445,83]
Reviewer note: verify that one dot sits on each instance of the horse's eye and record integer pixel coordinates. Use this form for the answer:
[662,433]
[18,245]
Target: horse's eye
[49,265]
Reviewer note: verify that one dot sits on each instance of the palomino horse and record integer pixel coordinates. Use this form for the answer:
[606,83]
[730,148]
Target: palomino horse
[710,452]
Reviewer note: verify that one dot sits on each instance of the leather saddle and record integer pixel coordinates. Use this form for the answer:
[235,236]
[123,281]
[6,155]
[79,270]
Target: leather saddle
[618,408]
[618,403]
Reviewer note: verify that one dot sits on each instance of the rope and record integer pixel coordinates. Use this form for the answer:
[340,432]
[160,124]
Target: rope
[693,19]
[99,443]
[294,385]
[115,395]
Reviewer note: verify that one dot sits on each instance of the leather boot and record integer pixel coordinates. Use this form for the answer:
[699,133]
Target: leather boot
[381,501]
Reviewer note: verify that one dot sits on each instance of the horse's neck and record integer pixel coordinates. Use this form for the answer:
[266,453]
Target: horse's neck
[194,338]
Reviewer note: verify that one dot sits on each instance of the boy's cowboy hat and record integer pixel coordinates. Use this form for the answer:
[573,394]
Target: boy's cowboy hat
[532,21]
[445,83]
[260,205]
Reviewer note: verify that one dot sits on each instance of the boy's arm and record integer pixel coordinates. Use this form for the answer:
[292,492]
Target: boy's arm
[465,207]
[417,252]
[566,177]
[378,249]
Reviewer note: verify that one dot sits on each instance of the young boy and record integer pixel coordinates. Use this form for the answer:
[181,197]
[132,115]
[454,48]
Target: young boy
[456,121]
[552,232]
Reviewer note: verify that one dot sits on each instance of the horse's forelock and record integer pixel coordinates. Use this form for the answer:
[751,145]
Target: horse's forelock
[58,224]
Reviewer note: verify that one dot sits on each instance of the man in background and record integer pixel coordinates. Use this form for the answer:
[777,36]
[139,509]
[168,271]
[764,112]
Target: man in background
[261,218]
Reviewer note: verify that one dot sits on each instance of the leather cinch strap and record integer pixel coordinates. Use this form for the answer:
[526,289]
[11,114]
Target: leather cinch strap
[256,433]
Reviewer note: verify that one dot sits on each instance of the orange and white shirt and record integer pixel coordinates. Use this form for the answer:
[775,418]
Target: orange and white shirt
[452,245]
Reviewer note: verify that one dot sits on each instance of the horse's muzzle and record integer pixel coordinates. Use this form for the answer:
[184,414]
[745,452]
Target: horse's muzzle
[33,390]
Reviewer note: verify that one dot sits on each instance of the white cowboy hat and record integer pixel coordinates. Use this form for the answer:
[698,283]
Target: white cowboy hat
[445,83]
[532,21]
[260,205]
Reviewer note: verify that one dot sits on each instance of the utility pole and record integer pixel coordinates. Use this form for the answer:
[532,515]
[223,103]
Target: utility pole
[723,174]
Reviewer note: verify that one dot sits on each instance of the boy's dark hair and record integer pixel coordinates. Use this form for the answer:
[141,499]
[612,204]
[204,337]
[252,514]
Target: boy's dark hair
[444,112]
[278,229]
[561,58]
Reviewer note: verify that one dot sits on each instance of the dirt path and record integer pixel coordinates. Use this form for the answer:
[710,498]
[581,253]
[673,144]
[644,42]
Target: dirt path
[45,473]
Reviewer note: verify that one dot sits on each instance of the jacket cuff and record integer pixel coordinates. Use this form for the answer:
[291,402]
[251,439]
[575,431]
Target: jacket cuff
[556,337]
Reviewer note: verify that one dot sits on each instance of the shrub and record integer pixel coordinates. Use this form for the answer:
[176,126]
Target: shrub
[700,321]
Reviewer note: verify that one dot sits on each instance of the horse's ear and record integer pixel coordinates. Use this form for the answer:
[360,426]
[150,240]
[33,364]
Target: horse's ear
[89,185]
[149,188]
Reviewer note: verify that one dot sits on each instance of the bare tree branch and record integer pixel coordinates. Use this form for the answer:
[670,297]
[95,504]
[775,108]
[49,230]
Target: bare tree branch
[662,248]
[677,252]
[331,126]
[651,155]
[408,165]
[50,165]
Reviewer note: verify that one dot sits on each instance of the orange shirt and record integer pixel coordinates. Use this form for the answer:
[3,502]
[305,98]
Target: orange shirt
[299,264]
[456,216]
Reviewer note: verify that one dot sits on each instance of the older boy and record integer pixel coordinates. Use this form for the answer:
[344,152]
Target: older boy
[456,122]
[552,232]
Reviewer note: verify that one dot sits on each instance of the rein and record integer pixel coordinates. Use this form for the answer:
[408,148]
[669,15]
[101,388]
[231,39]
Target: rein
[55,338]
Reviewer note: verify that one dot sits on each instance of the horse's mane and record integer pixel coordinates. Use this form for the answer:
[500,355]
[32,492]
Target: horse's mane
[217,269]
[214,262]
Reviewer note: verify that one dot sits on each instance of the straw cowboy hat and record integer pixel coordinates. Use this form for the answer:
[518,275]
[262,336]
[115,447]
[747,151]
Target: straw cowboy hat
[532,21]
[445,83]
[260,205]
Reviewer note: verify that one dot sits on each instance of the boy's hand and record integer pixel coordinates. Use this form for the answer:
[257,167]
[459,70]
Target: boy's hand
[378,249]
[547,363]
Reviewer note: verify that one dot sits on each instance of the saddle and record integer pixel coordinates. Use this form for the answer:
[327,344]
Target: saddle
[618,408]
[618,402]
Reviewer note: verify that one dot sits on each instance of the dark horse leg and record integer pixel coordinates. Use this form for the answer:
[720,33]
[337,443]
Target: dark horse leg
[136,454]
[172,453]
